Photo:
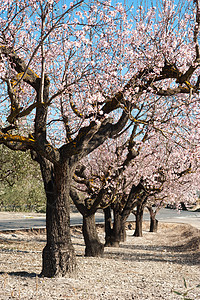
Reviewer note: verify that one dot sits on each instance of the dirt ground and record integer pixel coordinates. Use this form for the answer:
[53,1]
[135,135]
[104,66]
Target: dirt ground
[150,267]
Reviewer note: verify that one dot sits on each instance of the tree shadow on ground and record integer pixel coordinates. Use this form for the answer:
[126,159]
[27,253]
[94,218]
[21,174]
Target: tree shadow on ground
[21,240]
[18,251]
[21,274]
[167,254]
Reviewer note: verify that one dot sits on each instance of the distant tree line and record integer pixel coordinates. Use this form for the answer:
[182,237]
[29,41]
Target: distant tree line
[21,185]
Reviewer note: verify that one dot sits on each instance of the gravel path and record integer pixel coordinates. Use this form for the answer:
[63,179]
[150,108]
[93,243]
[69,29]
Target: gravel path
[150,267]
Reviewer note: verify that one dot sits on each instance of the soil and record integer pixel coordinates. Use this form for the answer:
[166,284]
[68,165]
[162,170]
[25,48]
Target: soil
[154,266]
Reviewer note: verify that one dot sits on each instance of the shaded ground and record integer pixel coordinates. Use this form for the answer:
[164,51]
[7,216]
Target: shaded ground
[150,267]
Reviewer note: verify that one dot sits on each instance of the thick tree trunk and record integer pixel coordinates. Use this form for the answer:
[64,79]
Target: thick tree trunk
[58,254]
[123,232]
[153,220]
[116,234]
[108,226]
[153,224]
[118,227]
[138,221]
[93,245]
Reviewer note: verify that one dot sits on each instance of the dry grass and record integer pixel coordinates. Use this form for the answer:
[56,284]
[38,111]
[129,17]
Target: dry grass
[149,267]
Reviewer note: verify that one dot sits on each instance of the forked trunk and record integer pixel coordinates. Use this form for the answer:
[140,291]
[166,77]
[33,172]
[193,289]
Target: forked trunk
[58,254]
[93,246]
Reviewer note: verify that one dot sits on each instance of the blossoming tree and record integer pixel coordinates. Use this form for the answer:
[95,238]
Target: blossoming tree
[73,76]
[156,172]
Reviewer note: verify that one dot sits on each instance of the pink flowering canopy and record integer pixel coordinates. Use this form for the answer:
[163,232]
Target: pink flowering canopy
[169,171]
[92,62]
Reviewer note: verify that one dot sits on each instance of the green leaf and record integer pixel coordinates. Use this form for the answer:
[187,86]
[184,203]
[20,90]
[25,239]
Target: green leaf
[185,284]
[178,293]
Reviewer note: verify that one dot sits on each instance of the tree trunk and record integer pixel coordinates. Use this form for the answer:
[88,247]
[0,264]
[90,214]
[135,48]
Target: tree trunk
[123,232]
[153,224]
[93,245]
[58,254]
[118,227]
[116,234]
[183,207]
[138,221]
[153,220]
[108,226]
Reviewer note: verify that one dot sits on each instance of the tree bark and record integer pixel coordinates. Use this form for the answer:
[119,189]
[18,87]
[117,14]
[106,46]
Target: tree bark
[116,234]
[93,245]
[153,224]
[153,220]
[108,226]
[119,231]
[58,254]
[138,221]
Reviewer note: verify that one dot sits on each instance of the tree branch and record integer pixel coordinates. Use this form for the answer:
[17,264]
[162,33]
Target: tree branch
[75,198]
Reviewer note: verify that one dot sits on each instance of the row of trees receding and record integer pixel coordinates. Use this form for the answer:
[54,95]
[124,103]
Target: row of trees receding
[73,78]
